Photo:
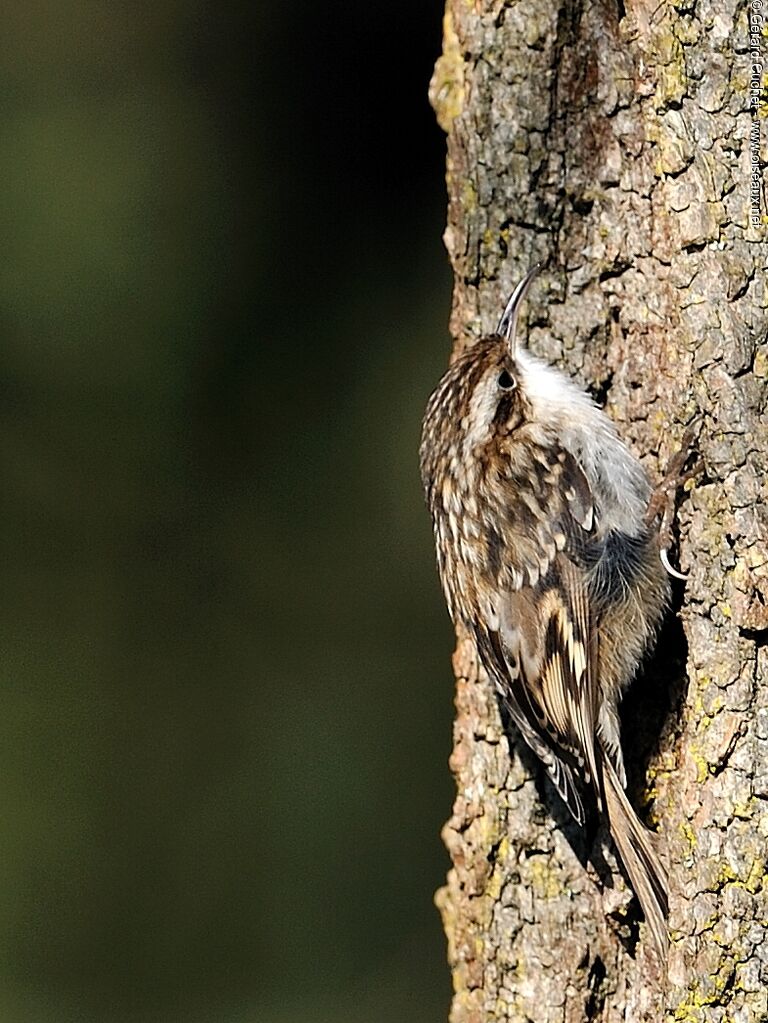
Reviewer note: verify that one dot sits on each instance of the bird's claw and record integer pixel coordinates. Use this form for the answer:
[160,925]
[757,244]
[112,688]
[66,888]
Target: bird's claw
[669,567]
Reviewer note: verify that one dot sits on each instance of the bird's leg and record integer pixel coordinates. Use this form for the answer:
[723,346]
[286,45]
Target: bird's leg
[662,506]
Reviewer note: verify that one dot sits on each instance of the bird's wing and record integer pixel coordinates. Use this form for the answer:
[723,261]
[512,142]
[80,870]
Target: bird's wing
[563,766]
[539,644]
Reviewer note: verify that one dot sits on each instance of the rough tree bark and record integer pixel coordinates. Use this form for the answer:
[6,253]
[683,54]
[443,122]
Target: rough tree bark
[612,141]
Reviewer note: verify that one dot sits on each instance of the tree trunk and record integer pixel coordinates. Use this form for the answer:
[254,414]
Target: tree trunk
[614,144]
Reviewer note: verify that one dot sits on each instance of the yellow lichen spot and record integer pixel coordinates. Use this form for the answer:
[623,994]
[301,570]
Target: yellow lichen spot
[487,830]
[469,196]
[689,1010]
[725,875]
[493,888]
[684,1013]
[672,84]
[756,876]
[702,765]
[446,89]
[717,705]
[742,810]
[689,835]
[544,881]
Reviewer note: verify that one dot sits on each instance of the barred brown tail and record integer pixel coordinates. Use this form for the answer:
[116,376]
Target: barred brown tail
[641,861]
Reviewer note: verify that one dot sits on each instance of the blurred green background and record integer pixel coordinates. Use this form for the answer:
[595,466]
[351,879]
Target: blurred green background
[226,691]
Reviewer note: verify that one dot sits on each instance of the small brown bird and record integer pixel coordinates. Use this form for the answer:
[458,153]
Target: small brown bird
[545,558]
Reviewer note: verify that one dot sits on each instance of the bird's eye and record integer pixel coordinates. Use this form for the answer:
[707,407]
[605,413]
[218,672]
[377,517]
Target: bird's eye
[506,382]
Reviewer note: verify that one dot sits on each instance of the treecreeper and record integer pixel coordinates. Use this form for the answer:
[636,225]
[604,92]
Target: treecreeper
[549,563]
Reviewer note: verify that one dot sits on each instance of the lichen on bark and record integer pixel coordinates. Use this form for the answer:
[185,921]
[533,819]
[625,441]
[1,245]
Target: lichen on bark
[611,142]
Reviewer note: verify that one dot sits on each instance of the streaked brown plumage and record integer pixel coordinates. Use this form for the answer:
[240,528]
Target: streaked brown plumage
[538,513]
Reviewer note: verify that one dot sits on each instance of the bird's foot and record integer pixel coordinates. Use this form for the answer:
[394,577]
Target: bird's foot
[681,471]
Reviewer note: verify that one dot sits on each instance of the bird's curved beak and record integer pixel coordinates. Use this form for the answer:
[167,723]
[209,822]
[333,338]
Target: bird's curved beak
[508,323]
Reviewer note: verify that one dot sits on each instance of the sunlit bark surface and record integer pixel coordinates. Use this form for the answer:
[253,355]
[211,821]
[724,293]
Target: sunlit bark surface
[612,142]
